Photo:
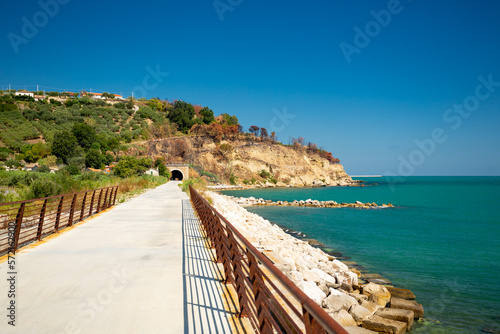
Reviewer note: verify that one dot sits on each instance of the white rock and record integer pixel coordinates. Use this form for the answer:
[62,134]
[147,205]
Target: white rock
[344,318]
[313,291]
[324,276]
[359,313]
[339,302]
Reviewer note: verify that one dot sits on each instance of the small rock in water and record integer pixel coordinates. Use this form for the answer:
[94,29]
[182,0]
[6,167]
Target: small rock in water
[490,330]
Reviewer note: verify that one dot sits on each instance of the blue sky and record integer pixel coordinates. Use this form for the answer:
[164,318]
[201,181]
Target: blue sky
[261,60]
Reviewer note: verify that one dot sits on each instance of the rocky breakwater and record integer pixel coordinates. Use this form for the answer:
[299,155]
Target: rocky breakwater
[251,201]
[360,308]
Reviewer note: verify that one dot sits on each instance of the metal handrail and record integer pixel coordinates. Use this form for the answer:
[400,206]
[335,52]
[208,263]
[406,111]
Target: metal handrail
[260,300]
[23,222]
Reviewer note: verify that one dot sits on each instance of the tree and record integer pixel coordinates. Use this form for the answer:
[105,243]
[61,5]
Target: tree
[43,169]
[182,114]
[230,131]
[215,131]
[94,159]
[64,145]
[179,148]
[274,137]
[207,115]
[130,166]
[155,104]
[263,134]
[84,134]
[163,171]
[254,130]
[229,120]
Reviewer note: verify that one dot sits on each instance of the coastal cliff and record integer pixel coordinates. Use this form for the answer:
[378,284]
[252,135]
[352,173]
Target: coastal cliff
[261,164]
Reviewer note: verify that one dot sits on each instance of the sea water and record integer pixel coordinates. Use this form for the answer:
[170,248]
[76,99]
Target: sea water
[442,240]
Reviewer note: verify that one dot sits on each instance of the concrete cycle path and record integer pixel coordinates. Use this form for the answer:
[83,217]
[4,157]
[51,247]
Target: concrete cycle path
[118,272]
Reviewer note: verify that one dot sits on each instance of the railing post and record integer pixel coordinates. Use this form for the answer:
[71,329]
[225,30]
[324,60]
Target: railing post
[105,202]
[239,277]
[92,203]
[257,291]
[82,210]
[99,203]
[17,231]
[116,193]
[58,216]
[41,220]
[72,210]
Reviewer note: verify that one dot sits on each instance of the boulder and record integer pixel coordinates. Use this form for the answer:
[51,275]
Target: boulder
[358,297]
[401,293]
[358,330]
[371,306]
[310,275]
[344,318]
[411,305]
[397,314]
[313,291]
[324,288]
[336,264]
[325,277]
[296,277]
[382,325]
[359,313]
[337,302]
[377,293]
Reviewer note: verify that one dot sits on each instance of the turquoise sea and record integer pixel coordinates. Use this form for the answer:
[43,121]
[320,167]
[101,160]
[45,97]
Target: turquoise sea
[442,241]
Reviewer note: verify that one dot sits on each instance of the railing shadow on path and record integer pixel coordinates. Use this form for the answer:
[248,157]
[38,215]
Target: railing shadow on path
[209,304]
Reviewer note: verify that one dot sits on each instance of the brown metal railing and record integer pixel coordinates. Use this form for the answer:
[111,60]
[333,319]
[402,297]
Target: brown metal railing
[26,221]
[271,302]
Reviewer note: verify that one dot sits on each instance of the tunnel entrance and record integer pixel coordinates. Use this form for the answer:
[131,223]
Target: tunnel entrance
[177,175]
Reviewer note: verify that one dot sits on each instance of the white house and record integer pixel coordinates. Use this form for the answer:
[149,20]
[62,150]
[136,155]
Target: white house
[152,171]
[24,93]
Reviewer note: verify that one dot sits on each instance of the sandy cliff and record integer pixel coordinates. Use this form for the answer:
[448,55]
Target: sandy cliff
[245,160]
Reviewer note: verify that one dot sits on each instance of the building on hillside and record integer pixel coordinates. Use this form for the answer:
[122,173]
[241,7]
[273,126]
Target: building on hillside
[109,168]
[54,169]
[31,167]
[152,171]
[24,93]
[97,96]
[93,170]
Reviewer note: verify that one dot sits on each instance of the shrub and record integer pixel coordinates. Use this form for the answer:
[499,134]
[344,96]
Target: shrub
[73,170]
[264,174]
[232,179]
[44,169]
[43,188]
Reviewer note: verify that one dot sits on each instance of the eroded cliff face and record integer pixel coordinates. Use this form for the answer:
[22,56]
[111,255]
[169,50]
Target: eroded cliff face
[246,160]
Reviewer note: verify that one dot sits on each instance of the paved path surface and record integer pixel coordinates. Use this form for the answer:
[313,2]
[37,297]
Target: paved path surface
[136,268]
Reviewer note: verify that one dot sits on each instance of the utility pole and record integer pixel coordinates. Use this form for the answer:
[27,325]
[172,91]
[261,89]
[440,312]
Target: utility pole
[9,88]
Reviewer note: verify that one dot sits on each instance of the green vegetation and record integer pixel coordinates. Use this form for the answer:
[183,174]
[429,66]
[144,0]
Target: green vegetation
[23,185]
[211,176]
[232,179]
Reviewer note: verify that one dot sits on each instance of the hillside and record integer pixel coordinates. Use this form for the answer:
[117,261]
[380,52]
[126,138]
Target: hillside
[84,132]
[260,163]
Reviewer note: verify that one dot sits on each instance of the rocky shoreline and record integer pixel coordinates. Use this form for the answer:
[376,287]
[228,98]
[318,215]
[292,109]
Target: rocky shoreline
[251,201]
[358,304]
